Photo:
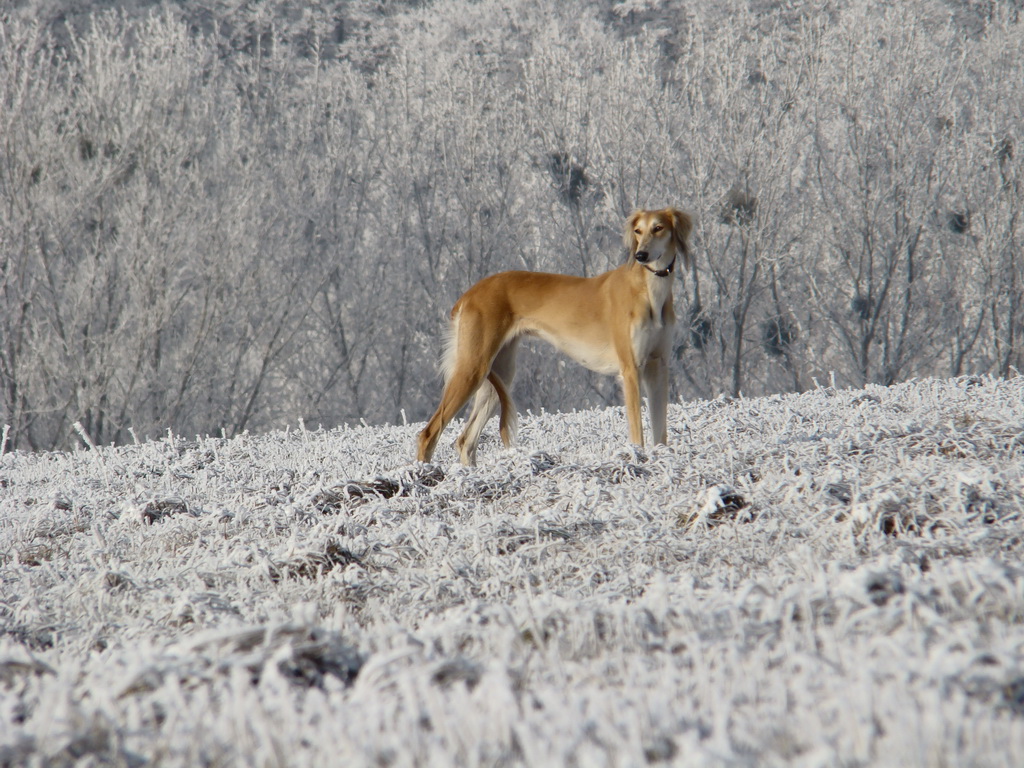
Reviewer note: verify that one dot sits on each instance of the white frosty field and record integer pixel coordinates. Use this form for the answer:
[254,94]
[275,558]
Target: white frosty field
[825,579]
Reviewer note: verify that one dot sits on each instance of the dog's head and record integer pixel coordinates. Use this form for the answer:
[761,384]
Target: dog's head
[655,238]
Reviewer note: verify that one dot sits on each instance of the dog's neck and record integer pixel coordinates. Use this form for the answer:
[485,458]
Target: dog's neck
[662,272]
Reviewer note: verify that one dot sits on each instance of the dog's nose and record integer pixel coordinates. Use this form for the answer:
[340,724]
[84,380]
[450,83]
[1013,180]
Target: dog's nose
[642,256]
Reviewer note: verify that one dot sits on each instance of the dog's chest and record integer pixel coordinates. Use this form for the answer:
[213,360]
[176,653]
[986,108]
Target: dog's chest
[648,334]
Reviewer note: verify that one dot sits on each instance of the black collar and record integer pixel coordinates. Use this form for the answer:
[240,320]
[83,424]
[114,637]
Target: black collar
[662,272]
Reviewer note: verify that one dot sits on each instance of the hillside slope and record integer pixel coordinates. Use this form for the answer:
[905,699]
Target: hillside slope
[831,578]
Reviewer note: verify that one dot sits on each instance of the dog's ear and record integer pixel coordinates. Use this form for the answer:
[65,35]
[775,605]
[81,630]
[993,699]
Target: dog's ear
[681,226]
[628,238]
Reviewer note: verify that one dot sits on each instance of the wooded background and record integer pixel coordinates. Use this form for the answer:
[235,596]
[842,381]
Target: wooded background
[217,217]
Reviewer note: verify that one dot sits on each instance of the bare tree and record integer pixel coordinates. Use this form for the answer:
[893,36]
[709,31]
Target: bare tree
[884,130]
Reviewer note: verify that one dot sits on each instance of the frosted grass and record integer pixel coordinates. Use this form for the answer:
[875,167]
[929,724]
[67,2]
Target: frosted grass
[830,578]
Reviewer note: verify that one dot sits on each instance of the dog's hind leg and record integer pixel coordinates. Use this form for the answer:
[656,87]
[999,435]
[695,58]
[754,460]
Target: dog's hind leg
[456,392]
[488,399]
[475,345]
[485,404]
[504,369]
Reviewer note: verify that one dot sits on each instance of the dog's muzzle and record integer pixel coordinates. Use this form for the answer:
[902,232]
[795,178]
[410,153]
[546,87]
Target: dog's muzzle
[643,258]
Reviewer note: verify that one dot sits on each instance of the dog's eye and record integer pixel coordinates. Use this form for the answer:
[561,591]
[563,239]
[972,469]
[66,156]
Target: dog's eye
[638,231]
[658,228]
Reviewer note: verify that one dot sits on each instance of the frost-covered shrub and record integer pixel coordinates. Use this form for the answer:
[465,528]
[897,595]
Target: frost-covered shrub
[832,575]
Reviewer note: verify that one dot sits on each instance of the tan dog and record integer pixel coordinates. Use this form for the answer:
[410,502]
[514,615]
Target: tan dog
[621,321]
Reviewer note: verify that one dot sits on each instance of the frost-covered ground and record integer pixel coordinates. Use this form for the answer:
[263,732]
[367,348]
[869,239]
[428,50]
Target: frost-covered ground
[832,578]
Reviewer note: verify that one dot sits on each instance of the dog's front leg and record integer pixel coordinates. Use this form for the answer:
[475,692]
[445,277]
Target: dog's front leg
[631,394]
[629,373]
[656,386]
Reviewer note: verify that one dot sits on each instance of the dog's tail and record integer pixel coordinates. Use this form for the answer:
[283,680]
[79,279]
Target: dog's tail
[449,349]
